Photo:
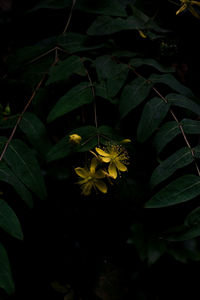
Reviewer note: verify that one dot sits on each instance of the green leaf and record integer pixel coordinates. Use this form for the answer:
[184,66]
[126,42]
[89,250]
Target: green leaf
[75,42]
[114,73]
[63,148]
[52,4]
[172,82]
[25,166]
[184,251]
[137,62]
[181,190]
[75,98]
[101,90]
[6,279]
[153,113]
[165,134]
[191,126]
[6,175]
[109,133]
[183,101]
[179,159]
[171,129]
[133,94]
[9,221]
[193,218]
[36,132]
[64,69]
[104,25]
[104,7]
[182,233]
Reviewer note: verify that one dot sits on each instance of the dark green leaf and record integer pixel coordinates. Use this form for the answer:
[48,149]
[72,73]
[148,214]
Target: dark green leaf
[137,62]
[25,166]
[36,132]
[181,190]
[165,134]
[182,233]
[6,279]
[179,159]
[109,133]
[75,42]
[133,94]
[104,7]
[153,113]
[75,98]
[104,25]
[115,74]
[64,69]
[193,218]
[52,4]
[101,90]
[9,221]
[171,129]
[183,101]
[6,175]
[172,82]
[191,126]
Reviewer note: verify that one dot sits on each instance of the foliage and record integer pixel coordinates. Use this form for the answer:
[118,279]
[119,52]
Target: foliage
[104,81]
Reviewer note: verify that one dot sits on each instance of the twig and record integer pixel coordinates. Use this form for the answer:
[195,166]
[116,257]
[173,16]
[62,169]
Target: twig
[23,112]
[70,16]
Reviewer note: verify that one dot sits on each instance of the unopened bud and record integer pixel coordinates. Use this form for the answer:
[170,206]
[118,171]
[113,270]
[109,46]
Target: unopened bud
[75,139]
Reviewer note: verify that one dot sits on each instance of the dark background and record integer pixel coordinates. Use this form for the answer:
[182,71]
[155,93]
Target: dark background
[76,240]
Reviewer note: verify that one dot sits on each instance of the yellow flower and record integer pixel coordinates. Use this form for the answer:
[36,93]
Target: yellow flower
[91,178]
[187,4]
[117,158]
[75,139]
[141,33]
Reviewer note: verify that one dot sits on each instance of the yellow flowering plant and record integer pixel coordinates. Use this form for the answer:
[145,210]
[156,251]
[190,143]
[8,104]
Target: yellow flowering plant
[188,5]
[91,178]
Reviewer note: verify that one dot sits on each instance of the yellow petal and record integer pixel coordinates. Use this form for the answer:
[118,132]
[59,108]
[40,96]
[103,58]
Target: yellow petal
[120,166]
[195,2]
[105,159]
[101,152]
[86,188]
[112,170]
[194,13]
[82,172]
[93,165]
[101,186]
[99,174]
[142,34]
[125,141]
[183,7]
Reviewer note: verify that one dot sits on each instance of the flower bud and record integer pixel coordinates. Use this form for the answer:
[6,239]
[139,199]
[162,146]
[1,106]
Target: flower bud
[75,139]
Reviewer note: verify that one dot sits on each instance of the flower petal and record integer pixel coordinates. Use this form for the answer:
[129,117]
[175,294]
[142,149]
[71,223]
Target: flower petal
[86,188]
[82,172]
[120,166]
[101,186]
[106,159]
[194,13]
[195,2]
[94,163]
[100,174]
[182,8]
[112,170]
[101,152]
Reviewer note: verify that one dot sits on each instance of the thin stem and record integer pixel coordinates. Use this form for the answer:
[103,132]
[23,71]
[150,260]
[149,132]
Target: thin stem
[23,112]
[70,16]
